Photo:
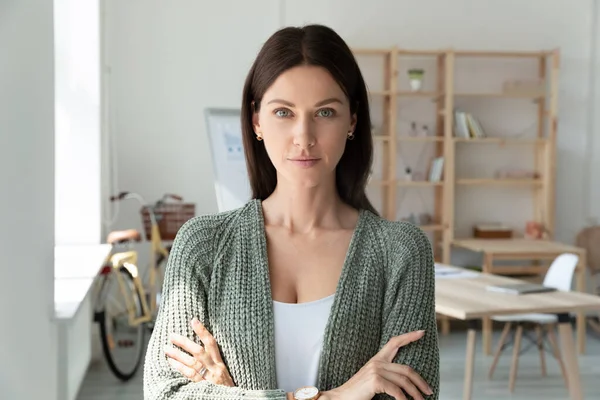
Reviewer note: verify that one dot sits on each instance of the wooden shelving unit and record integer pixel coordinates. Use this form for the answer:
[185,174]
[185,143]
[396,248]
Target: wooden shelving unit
[444,92]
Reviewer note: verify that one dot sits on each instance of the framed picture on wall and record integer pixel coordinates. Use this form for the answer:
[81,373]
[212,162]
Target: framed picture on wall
[224,131]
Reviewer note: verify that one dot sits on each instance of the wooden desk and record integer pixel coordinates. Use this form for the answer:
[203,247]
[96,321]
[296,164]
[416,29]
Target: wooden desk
[467,299]
[525,249]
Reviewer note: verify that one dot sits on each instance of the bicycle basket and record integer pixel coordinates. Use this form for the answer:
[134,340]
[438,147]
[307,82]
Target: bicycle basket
[169,217]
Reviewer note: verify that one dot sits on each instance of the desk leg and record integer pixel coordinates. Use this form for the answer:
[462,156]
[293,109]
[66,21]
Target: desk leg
[581,315]
[469,362]
[488,262]
[569,356]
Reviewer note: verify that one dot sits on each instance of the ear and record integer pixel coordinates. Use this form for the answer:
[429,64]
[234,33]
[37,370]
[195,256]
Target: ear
[353,122]
[255,123]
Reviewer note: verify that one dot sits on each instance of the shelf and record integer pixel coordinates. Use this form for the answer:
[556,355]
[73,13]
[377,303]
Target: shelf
[419,183]
[526,54]
[420,138]
[403,93]
[503,95]
[502,141]
[509,182]
[435,106]
[416,52]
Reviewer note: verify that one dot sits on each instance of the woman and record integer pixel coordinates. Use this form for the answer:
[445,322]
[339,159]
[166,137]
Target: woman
[305,285]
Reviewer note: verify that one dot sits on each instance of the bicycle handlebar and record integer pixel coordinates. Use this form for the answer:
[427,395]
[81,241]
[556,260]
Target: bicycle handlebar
[173,196]
[118,197]
[140,199]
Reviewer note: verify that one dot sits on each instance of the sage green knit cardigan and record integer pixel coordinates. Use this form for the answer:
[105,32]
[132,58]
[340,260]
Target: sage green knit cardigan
[218,271]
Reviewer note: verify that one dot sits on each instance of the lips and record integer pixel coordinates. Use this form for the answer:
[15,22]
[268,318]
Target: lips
[304,162]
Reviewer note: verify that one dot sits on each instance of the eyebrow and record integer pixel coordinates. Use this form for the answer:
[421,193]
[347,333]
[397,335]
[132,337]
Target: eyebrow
[319,104]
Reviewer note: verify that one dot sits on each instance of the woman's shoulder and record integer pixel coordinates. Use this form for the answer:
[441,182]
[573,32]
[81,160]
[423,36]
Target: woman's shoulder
[405,246]
[398,232]
[201,232]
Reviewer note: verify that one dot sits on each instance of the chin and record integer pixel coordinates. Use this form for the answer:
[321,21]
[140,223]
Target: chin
[307,179]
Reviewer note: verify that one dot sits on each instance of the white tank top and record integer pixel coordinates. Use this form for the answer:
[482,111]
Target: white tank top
[299,330]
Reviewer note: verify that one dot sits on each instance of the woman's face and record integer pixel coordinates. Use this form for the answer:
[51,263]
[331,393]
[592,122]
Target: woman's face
[304,120]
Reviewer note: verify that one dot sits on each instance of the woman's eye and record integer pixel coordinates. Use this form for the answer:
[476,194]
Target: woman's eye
[282,113]
[326,112]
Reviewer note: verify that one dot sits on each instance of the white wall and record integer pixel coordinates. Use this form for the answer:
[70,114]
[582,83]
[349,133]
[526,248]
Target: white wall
[27,201]
[170,61]
[594,118]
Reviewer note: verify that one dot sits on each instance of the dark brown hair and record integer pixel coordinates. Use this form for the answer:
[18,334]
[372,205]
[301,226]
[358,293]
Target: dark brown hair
[315,45]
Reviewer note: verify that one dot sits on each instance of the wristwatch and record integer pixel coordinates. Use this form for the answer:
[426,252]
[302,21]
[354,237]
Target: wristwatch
[307,393]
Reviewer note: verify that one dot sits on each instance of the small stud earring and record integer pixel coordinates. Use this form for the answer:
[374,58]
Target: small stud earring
[350,135]
[259,138]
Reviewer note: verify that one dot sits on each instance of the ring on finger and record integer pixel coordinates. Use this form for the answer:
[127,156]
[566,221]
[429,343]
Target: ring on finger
[202,372]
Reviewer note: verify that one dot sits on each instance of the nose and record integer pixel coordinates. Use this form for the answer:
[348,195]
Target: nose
[304,135]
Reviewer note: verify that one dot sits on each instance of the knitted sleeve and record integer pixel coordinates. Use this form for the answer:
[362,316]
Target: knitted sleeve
[184,297]
[410,302]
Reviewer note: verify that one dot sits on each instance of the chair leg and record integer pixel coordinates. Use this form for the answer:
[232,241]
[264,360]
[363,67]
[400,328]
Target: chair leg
[556,351]
[540,343]
[505,333]
[515,360]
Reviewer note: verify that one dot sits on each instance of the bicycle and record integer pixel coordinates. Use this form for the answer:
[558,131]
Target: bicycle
[123,322]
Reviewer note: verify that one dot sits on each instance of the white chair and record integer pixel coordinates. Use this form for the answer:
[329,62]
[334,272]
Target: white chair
[559,276]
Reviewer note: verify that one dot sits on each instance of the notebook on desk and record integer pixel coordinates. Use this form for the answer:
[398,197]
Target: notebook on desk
[520,288]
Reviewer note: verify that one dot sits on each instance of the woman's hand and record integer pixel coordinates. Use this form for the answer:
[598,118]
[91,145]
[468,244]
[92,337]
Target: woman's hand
[205,362]
[381,375]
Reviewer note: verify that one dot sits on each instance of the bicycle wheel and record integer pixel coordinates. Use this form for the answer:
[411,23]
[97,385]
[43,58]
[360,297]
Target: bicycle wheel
[122,343]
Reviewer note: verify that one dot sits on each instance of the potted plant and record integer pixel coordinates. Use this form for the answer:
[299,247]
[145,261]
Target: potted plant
[415,75]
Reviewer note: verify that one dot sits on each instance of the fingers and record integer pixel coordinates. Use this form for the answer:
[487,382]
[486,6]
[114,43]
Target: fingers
[184,370]
[410,374]
[209,342]
[182,357]
[196,350]
[392,389]
[389,351]
[403,382]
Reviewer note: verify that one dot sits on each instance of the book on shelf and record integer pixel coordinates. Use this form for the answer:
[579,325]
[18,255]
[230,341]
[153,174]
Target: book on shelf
[437,167]
[466,126]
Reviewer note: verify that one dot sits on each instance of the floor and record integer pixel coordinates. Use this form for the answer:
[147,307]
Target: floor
[100,384]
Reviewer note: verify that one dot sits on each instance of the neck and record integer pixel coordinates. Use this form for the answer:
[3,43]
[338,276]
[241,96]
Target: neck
[302,210]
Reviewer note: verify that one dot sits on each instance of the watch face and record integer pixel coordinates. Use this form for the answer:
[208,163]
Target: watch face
[306,393]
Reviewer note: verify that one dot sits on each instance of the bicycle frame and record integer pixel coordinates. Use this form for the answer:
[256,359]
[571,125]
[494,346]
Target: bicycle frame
[129,260]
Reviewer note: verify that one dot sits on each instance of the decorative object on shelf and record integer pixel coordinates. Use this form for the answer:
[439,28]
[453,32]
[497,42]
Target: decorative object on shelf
[534,230]
[413,129]
[418,176]
[412,218]
[425,219]
[408,174]
[511,173]
[415,77]
[532,87]
[421,219]
[492,231]
[425,131]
